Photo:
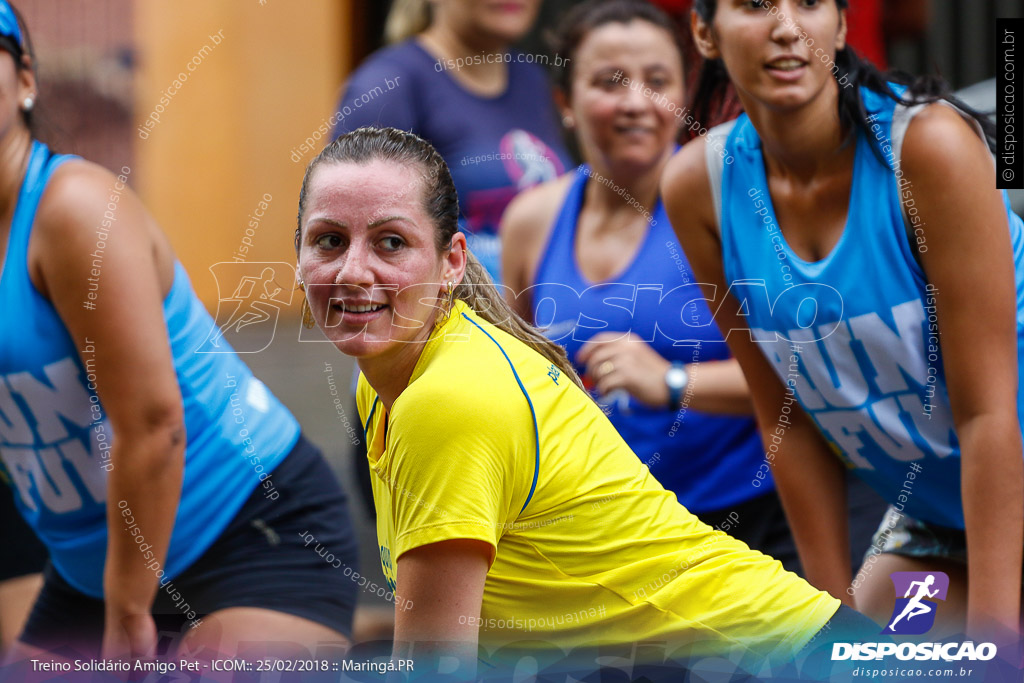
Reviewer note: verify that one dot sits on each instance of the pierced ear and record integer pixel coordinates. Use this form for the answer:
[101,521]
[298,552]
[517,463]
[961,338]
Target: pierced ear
[27,77]
[562,104]
[703,37]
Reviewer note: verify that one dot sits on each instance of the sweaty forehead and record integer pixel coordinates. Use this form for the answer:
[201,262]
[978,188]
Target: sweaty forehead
[356,190]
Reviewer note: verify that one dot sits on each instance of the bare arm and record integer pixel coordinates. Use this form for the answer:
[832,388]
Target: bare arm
[719,387]
[445,584]
[712,386]
[808,476]
[969,259]
[135,376]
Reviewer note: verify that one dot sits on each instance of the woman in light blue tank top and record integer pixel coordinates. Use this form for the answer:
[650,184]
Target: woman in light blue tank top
[871,276]
[165,482]
[592,257]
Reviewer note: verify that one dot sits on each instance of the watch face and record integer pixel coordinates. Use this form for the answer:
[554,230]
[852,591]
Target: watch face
[675,377]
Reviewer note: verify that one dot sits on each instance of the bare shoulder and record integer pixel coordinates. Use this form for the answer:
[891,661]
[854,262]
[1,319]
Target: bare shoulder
[85,207]
[77,195]
[686,187]
[534,210]
[526,227]
[940,140]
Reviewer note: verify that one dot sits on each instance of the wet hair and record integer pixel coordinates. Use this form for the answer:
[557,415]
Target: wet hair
[579,21]
[441,201]
[714,79]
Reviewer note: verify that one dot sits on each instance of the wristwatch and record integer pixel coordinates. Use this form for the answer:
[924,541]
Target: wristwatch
[676,378]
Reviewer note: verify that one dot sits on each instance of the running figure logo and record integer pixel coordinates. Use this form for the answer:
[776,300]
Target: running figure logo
[254,299]
[914,613]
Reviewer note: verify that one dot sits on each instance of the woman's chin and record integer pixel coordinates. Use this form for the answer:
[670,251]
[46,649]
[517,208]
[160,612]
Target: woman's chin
[359,347]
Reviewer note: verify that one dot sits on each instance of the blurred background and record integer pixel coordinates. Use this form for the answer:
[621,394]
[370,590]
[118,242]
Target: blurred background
[222,155]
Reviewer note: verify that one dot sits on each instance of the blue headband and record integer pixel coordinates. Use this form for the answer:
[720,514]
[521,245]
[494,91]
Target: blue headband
[9,23]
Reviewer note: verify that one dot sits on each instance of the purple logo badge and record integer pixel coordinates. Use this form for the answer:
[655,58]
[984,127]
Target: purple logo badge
[917,596]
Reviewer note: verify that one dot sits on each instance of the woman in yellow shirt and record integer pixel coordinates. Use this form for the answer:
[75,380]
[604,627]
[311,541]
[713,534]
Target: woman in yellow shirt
[510,513]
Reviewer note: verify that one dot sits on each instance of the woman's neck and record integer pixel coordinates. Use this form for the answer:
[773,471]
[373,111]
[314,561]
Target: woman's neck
[389,374]
[487,78]
[803,142]
[14,152]
[610,189]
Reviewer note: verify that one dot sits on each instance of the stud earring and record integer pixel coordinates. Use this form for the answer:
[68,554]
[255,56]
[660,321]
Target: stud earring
[567,121]
[28,103]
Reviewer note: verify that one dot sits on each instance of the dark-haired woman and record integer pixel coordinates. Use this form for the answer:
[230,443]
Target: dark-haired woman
[596,245]
[168,487]
[510,513]
[860,236]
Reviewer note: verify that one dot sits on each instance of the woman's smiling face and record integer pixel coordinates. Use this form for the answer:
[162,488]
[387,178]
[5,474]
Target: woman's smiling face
[369,258]
[627,85]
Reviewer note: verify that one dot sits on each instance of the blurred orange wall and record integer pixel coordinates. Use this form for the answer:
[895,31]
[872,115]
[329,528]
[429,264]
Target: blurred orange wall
[223,142]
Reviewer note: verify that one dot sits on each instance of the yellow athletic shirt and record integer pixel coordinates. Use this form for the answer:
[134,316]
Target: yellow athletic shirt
[491,442]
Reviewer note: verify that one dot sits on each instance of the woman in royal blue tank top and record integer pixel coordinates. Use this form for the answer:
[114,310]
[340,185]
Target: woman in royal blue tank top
[592,258]
[170,487]
[872,274]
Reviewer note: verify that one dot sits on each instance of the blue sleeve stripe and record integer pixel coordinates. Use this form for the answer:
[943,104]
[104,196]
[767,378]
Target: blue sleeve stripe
[533,413]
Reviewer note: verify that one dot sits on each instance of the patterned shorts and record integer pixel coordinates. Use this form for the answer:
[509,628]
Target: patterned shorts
[899,534]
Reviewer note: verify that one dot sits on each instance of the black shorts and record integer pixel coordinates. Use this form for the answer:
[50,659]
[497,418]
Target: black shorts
[760,523]
[262,559]
[22,552]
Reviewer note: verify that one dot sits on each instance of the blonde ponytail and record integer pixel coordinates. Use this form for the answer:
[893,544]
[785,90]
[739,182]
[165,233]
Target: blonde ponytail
[406,19]
[478,291]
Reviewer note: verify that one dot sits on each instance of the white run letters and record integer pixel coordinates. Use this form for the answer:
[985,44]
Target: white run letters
[48,464]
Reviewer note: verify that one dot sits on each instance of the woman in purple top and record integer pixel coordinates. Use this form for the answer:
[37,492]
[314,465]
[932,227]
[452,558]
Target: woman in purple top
[452,79]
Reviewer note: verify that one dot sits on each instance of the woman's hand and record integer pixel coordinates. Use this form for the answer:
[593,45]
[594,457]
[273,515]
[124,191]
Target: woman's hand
[128,634]
[617,360]
[625,363]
